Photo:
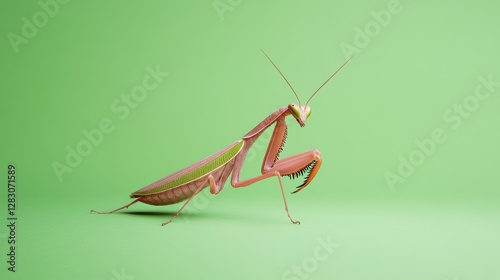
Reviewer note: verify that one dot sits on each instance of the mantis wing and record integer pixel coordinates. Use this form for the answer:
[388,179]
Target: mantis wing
[193,172]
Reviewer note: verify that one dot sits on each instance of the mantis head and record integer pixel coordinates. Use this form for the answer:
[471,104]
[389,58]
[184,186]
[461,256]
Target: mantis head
[299,112]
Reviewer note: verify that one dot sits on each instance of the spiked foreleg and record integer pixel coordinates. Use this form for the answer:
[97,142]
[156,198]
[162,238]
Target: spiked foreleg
[307,162]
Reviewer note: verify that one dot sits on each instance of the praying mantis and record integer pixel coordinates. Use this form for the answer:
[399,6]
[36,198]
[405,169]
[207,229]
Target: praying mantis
[215,169]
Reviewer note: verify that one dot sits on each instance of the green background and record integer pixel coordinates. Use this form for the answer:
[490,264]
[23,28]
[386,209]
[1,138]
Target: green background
[442,222]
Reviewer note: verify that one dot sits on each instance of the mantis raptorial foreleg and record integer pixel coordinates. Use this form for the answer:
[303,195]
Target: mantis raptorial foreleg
[308,161]
[286,166]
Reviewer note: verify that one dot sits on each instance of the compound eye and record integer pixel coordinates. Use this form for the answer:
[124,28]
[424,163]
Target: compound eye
[308,113]
[295,111]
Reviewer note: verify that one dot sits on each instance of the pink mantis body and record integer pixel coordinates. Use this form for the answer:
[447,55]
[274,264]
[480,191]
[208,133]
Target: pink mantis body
[214,170]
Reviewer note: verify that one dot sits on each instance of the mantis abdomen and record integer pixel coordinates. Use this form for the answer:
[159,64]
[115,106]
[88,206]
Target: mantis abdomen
[183,192]
[186,182]
[170,196]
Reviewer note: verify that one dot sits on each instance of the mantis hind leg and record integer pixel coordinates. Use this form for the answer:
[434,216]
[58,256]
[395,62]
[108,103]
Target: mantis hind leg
[118,209]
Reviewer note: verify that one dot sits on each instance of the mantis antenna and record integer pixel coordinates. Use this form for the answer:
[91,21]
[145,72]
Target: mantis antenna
[328,80]
[282,75]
